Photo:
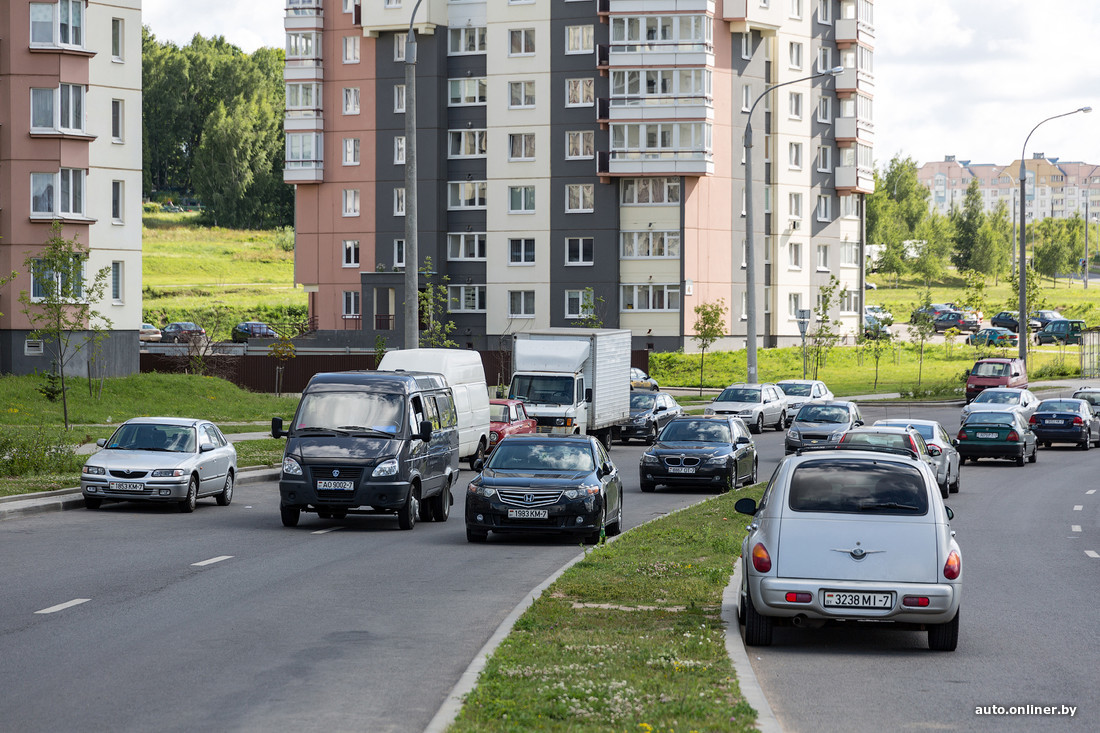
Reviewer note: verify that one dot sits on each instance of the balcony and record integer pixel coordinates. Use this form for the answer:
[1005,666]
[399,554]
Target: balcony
[378,18]
[304,171]
[304,15]
[673,54]
[851,30]
[854,128]
[640,7]
[653,107]
[747,15]
[656,163]
[854,179]
[855,80]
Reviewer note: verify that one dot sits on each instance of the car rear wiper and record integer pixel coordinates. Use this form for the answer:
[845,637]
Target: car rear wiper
[887,505]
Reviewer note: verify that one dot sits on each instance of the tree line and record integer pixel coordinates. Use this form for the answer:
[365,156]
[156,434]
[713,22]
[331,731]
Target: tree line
[212,127]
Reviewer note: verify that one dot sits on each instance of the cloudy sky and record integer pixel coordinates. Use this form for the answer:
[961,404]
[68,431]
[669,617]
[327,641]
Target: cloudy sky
[969,78]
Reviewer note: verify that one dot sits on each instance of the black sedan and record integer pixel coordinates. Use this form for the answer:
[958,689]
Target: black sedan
[181,332]
[713,451]
[649,412]
[542,483]
[1066,420]
[1008,319]
[957,319]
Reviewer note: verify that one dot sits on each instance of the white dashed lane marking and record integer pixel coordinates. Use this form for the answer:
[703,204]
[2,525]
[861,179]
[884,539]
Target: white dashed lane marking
[211,561]
[1078,507]
[63,606]
[1091,491]
[1075,527]
[1092,553]
[326,531]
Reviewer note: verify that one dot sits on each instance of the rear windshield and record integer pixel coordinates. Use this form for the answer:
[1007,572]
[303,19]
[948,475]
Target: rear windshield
[796,390]
[858,487]
[822,413]
[996,418]
[1059,406]
[696,431]
[900,441]
[926,431]
[989,369]
[512,455]
[739,394]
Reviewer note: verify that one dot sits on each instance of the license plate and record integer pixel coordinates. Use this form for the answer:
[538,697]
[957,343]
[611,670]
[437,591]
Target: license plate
[126,486]
[528,513]
[1054,422]
[841,599]
[987,435]
[681,469]
[336,485]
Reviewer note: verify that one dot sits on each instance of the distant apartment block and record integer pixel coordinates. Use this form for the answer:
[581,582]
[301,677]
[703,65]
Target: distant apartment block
[70,152]
[577,157]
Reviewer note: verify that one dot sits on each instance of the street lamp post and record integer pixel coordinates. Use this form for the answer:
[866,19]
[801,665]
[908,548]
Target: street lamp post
[1022,320]
[412,255]
[750,257]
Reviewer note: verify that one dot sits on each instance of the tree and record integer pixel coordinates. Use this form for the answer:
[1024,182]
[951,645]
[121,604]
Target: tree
[875,342]
[989,253]
[826,333]
[437,326]
[710,325]
[592,307]
[62,301]
[921,328]
[935,235]
[968,222]
[974,297]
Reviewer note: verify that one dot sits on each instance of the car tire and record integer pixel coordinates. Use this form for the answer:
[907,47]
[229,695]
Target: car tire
[616,528]
[424,510]
[730,483]
[945,488]
[1034,454]
[92,502]
[954,487]
[652,437]
[593,537]
[441,505]
[290,515]
[781,424]
[753,476]
[1020,460]
[187,505]
[226,495]
[648,487]
[757,630]
[406,515]
[944,637]
[479,454]
[474,535]
[758,427]
[1097,442]
[1086,444]
[605,437]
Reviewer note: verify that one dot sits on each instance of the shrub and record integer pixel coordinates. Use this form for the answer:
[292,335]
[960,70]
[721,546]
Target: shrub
[284,238]
[1056,368]
[32,451]
[152,207]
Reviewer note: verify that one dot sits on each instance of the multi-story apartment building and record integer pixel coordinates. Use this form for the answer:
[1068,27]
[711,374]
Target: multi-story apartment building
[70,152]
[580,156]
[1054,188]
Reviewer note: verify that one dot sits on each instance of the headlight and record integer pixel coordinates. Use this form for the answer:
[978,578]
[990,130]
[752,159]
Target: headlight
[385,468]
[717,461]
[648,459]
[641,420]
[494,436]
[581,491]
[93,470]
[834,437]
[746,413]
[793,434]
[164,472]
[708,410]
[479,490]
[291,467]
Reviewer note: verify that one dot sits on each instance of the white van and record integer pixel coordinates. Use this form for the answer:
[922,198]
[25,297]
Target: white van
[465,374]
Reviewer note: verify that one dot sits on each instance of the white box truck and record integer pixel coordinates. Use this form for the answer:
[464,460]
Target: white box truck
[573,380]
[465,375]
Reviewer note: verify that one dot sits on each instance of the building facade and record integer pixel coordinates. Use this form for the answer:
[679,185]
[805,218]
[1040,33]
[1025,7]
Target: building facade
[580,158]
[70,152]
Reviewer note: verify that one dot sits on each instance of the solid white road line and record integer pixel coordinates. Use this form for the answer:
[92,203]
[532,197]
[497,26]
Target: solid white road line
[1092,553]
[211,561]
[1078,507]
[1075,527]
[1091,491]
[63,606]
[326,531]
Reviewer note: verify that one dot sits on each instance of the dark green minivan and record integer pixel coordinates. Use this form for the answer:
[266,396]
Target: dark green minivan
[1061,331]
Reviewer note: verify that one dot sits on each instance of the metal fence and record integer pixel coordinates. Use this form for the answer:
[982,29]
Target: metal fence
[1090,353]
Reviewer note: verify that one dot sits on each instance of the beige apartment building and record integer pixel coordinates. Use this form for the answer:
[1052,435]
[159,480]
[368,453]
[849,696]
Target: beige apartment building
[70,152]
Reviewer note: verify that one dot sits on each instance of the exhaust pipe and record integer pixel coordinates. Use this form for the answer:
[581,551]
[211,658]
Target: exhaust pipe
[798,620]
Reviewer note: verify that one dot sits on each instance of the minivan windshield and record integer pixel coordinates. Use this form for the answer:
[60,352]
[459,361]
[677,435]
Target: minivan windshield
[350,410]
[542,388]
[989,369]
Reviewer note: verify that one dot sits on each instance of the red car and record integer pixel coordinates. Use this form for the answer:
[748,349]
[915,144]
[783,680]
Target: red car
[507,417]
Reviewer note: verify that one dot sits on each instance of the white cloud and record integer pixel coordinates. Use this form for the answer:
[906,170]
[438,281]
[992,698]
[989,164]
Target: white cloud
[247,24]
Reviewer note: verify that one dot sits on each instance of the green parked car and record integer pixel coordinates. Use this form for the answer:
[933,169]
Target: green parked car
[1062,331]
[996,435]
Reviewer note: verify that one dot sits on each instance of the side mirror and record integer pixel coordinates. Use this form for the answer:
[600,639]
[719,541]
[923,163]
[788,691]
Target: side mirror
[934,450]
[608,468]
[858,423]
[479,464]
[277,428]
[101,442]
[746,505]
[742,440]
[206,447]
[950,514]
[660,408]
[425,433]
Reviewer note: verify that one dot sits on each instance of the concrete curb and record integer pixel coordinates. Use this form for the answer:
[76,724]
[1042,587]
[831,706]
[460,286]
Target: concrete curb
[766,721]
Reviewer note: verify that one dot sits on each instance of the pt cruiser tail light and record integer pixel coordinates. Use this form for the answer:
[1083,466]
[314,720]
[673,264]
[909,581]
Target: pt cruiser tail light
[953,567]
[761,560]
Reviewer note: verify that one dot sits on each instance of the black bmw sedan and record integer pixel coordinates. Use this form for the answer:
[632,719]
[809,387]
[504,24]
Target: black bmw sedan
[713,451]
[544,483]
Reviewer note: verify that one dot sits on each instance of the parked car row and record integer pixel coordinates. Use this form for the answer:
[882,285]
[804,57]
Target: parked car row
[181,332]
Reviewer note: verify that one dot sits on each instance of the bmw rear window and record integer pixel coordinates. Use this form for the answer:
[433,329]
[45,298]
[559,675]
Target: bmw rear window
[844,486]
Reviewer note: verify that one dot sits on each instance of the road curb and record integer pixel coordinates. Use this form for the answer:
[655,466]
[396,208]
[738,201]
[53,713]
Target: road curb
[751,690]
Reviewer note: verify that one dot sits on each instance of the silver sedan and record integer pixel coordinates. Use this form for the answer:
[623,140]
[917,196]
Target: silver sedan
[164,459]
[935,435]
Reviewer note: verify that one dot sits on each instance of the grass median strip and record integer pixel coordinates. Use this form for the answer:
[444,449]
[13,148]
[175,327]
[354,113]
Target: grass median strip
[628,639]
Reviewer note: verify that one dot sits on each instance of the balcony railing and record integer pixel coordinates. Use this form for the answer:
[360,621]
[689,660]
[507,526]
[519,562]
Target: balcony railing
[383,322]
[351,321]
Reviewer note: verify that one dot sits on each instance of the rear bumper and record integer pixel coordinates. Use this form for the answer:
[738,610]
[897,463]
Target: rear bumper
[1061,435]
[769,598]
[991,450]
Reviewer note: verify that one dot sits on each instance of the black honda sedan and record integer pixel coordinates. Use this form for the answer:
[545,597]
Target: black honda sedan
[713,451]
[544,483]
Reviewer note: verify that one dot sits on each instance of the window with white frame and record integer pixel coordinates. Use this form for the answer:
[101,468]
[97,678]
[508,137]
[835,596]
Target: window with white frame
[825,158]
[521,303]
[42,109]
[580,92]
[351,253]
[116,281]
[71,22]
[466,298]
[302,44]
[521,251]
[521,94]
[117,38]
[116,120]
[577,305]
[466,195]
[744,253]
[824,11]
[746,97]
[392,4]
[351,151]
[398,97]
[351,304]
[580,145]
[650,191]
[795,106]
[824,58]
[399,253]
[580,198]
[399,201]
[351,49]
[767,199]
[302,96]
[794,155]
[794,255]
[521,146]
[399,41]
[825,109]
[466,41]
[579,251]
[58,193]
[795,55]
[466,143]
[651,297]
[578,39]
[689,139]
[398,149]
[796,9]
[349,6]
[746,45]
[466,246]
[822,257]
[43,24]
[849,207]
[117,189]
[521,41]
[64,284]
[521,199]
[649,244]
[71,108]
[824,208]
[687,32]
[467,92]
[794,304]
[351,202]
[794,205]
[351,100]
[849,301]
[303,149]
[744,306]
[849,254]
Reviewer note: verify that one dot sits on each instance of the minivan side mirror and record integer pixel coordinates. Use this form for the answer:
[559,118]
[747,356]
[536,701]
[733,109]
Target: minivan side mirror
[425,433]
[1015,374]
[277,428]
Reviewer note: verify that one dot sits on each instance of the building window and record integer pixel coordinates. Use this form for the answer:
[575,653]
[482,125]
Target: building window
[465,41]
[466,143]
[399,41]
[580,198]
[302,96]
[580,145]
[351,49]
[577,305]
[116,201]
[824,208]
[849,207]
[795,111]
[466,246]
[521,303]
[521,41]
[825,158]
[580,93]
[302,45]
[70,182]
[398,149]
[521,251]
[650,191]
[399,253]
[521,199]
[521,146]
[398,97]
[796,9]
[116,39]
[466,298]
[825,110]
[43,24]
[521,94]
[303,149]
[351,202]
[399,201]
[578,39]
[72,107]
[466,195]
[794,203]
[795,55]
[392,3]
[351,253]
[823,257]
[794,255]
[578,251]
[824,58]
[65,284]
[42,107]
[746,97]
[351,100]
[71,25]
[349,6]
[794,155]
[794,304]
[849,301]
[824,11]
[351,304]
[746,45]
[649,297]
[351,151]
[649,244]
[116,120]
[467,92]
[116,281]
[849,254]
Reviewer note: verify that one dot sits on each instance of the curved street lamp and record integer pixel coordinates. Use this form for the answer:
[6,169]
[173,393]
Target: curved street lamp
[750,258]
[1022,320]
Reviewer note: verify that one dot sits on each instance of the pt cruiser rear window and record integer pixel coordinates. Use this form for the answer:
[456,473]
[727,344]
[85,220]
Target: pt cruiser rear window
[858,487]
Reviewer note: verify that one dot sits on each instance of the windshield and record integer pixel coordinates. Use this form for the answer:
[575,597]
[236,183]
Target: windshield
[739,394]
[796,390]
[998,398]
[1093,398]
[541,388]
[345,410]
[498,413]
[822,413]
[898,441]
[997,418]
[857,487]
[640,401]
[696,431]
[512,455]
[1059,406]
[144,436]
[989,369]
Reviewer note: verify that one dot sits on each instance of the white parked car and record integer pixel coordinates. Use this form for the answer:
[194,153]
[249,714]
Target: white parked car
[756,404]
[1007,399]
[801,391]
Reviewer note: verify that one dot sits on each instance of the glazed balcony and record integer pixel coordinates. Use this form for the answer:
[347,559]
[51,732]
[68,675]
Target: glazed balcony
[655,163]
[747,15]
[304,15]
[377,18]
[653,107]
[639,7]
[854,179]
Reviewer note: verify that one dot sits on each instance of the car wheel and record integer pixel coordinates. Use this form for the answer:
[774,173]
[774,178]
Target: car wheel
[752,476]
[92,502]
[191,500]
[479,454]
[649,487]
[954,487]
[290,515]
[945,488]
[473,535]
[730,482]
[1020,460]
[406,515]
[759,426]
[226,496]
[1086,444]
[605,438]
[424,510]
[441,505]
[944,637]
[757,630]
[782,421]
[1097,442]
[652,437]
[1034,454]
[593,537]
[616,527]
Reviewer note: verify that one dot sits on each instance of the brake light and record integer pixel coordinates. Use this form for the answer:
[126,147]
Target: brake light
[920,601]
[1012,435]
[953,567]
[1032,421]
[961,435]
[793,597]
[913,444]
[761,560]
[1076,421]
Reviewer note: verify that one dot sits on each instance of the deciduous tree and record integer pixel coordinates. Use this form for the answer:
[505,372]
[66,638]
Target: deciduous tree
[710,325]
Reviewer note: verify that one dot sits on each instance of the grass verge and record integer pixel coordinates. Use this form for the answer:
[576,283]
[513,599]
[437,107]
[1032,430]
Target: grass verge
[628,639]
